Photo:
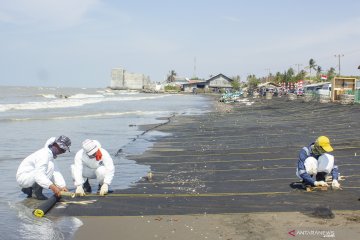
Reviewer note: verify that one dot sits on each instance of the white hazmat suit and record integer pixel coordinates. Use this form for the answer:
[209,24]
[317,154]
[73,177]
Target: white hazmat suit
[39,168]
[87,165]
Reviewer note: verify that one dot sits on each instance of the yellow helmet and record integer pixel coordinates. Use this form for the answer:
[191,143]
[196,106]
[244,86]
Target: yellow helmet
[324,143]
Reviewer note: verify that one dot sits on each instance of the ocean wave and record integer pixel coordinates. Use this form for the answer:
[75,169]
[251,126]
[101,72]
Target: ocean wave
[70,102]
[82,116]
[85,96]
[108,114]
[48,95]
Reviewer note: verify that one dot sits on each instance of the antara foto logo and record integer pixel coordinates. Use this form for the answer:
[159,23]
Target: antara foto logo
[292,233]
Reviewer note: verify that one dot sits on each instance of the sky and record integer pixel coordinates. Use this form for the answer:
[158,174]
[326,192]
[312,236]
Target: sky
[76,43]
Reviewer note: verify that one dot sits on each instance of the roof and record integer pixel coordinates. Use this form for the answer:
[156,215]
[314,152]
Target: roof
[268,83]
[195,81]
[316,84]
[220,75]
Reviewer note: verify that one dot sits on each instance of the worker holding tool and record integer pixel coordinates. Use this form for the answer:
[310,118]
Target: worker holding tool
[316,160]
[37,170]
[92,162]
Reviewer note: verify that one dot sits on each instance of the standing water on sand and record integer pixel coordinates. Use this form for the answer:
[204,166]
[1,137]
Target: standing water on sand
[30,115]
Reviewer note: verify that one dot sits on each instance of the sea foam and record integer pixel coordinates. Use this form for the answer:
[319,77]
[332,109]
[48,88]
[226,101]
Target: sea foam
[72,101]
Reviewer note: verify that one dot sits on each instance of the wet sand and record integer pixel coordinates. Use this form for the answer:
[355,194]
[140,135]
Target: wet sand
[276,225]
[221,171]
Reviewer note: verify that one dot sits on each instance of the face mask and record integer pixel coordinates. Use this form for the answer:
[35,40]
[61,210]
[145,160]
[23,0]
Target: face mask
[317,150]
[56,150]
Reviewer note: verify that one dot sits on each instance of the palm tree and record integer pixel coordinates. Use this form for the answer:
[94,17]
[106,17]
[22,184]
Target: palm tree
[318,72]
[312,65]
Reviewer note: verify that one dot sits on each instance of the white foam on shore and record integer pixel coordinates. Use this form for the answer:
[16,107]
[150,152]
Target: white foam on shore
[97,115]
[48,95]
[74,101]
[85,96]
[109,114]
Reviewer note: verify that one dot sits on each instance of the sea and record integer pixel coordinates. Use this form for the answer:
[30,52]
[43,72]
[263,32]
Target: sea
[31,115]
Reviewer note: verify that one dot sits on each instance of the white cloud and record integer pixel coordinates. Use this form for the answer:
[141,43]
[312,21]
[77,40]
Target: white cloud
[53,12]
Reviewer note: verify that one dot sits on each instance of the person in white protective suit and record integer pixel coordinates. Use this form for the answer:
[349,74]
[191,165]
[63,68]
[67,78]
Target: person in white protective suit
[315,160]
[92,162]
[37,171]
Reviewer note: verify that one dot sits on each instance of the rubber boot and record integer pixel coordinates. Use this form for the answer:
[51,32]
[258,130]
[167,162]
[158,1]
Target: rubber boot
[109,191]
[27,191]
[320,176]
[38,192]
[86,186]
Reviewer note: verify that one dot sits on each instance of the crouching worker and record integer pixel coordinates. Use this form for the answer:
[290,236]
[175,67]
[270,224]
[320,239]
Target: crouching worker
[92,162]
[314,160]
[37,170]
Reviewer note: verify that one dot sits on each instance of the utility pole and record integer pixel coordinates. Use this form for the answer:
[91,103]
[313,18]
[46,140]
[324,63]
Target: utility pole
[298,67]
[339,56]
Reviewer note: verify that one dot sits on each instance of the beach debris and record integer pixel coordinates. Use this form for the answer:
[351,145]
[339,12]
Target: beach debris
[149,176]
[323,212]
[229,97]
[187,184]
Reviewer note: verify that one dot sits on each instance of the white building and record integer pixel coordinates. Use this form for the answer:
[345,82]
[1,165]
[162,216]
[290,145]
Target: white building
[121,79]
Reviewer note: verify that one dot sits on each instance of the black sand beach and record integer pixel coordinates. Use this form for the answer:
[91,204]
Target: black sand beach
[242,160]
[238,160]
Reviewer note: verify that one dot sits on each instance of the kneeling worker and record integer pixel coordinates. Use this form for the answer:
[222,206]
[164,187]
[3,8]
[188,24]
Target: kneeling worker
[37,170]
[92,162]
[315,160]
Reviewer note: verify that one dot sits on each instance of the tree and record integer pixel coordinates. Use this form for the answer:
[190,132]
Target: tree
[318,73]
[312,65]
[171,76]
[331,73]
[235,84]
[300,76]
[252,81]
[290,75]
[279,78]
[237,78]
